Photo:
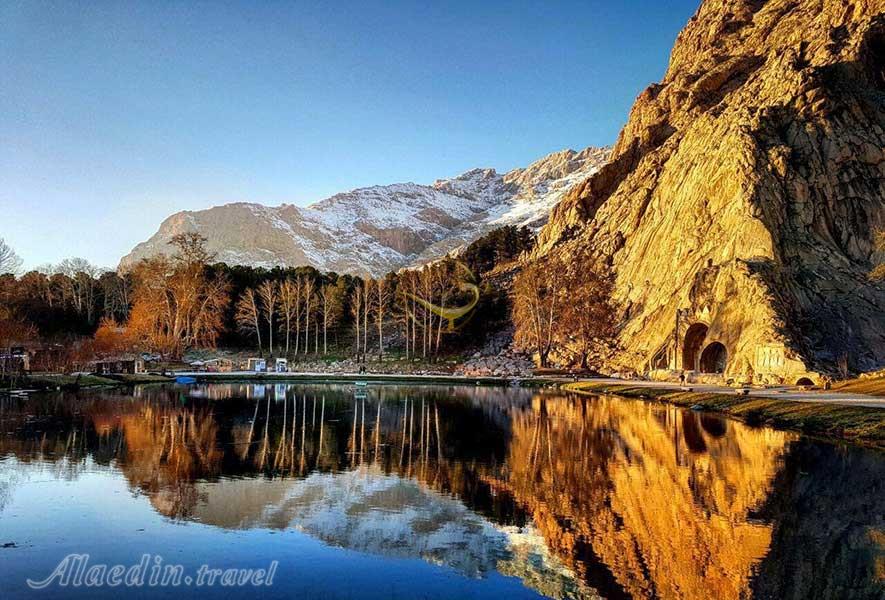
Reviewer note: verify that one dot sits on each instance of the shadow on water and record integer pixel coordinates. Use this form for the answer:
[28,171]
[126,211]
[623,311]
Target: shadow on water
[572,496]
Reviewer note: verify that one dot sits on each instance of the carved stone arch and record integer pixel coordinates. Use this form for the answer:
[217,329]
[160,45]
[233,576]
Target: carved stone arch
[692,344]
[714,358]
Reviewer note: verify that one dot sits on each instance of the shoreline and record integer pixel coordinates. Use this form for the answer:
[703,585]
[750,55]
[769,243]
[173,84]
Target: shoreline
[861,425]
[321,377]
[50,382]
[54,382]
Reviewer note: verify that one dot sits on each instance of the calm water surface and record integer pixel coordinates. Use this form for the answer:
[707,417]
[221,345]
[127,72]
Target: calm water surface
[433,492]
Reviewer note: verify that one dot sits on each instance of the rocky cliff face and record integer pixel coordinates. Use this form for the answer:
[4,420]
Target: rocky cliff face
[744,191]
[382,228]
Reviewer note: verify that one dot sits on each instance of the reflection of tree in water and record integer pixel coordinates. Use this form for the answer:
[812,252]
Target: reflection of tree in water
[166,449]
[635,498]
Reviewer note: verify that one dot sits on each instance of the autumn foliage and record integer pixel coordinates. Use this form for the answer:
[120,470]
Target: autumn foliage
[566,308]
[176,304]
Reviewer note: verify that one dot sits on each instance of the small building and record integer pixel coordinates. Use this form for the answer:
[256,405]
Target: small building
[256,365]
[14,360]
[219,365]
[129,365]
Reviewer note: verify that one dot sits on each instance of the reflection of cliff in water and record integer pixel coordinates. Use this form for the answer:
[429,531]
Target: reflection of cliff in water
[571,495]
[646,500]
[829,533]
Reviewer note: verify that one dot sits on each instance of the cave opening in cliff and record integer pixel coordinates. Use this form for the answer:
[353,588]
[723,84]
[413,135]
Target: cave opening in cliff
[694,340]
[714,358]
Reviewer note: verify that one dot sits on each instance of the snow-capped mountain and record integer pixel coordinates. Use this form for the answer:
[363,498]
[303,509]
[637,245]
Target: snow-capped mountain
[381,228]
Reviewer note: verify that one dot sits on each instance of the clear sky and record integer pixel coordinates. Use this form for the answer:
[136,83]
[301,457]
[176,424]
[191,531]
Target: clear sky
[114,115]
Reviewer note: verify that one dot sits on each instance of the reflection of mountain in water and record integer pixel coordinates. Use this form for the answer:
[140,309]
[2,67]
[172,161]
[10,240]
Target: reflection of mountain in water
[362,509]
[366,510]
[571,495]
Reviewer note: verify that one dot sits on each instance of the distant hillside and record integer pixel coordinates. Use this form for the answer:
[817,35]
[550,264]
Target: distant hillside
[381,228]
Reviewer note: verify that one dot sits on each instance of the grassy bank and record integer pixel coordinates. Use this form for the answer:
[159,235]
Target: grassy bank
[58,381]
[854,423]
[874,386]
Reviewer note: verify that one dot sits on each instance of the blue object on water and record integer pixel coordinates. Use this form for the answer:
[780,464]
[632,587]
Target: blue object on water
[185,379]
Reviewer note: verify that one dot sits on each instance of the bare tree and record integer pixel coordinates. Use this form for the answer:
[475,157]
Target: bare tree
[536,306]
[427,288]
[79,285]
[381,300]
[267,293]
[405,313]
[443,285]
[588,322]
[333,307]
[190,248]
[330,307]
[307,291]
[10,262]
[413,289]
[316,322]
[116,290]
[299,291]
[248,315]
[176,304]
[367,307]
[288,307]
[356,310]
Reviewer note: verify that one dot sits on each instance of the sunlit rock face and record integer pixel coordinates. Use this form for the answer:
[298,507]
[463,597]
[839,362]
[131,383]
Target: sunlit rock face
[745,189]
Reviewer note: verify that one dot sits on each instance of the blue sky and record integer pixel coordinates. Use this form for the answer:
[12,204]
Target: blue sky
[115,115]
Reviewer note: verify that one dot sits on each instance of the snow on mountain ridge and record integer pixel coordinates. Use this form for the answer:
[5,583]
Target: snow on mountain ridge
[372,230]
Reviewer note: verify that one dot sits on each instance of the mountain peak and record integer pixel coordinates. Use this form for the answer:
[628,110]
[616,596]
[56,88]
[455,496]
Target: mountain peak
[376,229]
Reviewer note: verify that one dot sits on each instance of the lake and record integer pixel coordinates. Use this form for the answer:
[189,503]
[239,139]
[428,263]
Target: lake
[396,491]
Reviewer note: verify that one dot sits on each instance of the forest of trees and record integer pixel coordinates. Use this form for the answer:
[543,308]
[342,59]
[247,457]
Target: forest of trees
[185,300]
